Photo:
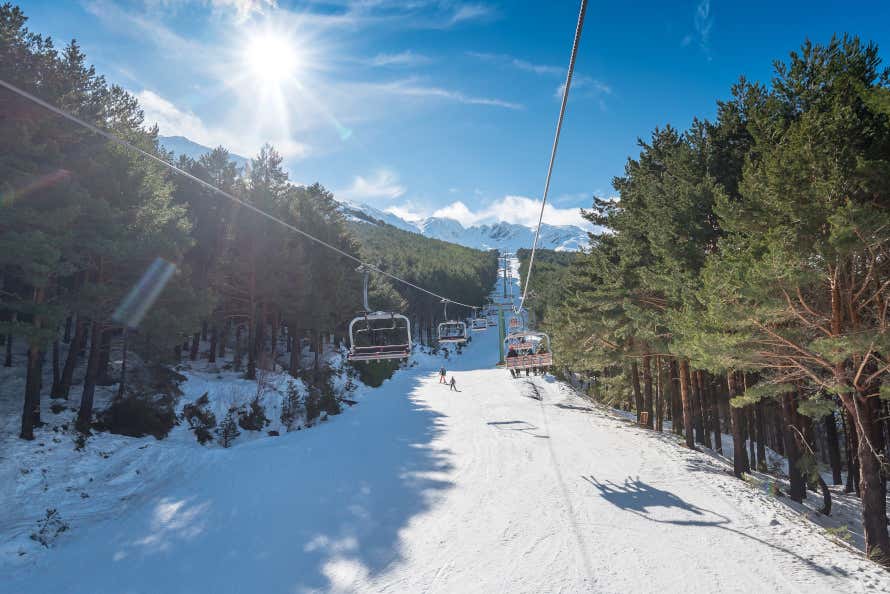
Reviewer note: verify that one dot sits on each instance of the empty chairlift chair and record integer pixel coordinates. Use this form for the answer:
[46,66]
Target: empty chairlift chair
[451,331]
[378,335]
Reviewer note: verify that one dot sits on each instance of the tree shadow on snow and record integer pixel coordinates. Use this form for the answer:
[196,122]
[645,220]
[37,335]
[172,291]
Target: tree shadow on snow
[315,510]
[639,498]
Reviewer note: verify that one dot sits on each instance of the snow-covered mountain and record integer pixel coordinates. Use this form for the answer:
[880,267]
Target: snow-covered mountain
[503,235]
[180,145]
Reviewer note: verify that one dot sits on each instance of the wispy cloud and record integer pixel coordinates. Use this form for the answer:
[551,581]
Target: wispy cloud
[383,183]
[405,58]
[702,22]
[517,63]
[579,81]
[413,88]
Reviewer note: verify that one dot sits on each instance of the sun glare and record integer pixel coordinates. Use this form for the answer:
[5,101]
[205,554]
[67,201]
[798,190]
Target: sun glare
[271,58]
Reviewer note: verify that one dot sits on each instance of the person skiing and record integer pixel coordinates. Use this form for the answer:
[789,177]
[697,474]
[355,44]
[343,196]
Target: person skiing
[453,385]
[442,375]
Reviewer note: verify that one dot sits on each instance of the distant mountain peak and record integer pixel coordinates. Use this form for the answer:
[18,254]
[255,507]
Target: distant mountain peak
[180,145]
[499,235]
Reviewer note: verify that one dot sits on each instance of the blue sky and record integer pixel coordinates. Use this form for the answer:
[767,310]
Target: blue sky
[441,107]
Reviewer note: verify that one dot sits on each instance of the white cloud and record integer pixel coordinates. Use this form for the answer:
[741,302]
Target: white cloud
[703,22]
[518,63]
[470,12]
[405,58]
[172,120]
[511,209]
[383,183]
[243,8]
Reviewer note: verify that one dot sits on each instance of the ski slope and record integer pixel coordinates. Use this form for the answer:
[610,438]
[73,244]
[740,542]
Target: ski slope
[420,489]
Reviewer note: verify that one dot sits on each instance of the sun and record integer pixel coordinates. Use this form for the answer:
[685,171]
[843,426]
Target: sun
[271,58]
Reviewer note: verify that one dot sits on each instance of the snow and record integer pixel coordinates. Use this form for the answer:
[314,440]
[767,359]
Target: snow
[506,486]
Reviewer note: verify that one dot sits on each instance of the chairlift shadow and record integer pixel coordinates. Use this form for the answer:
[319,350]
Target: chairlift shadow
[638,498]
[518,426]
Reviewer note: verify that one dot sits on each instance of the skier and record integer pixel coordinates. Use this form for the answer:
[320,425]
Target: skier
[453,385]
[442,375]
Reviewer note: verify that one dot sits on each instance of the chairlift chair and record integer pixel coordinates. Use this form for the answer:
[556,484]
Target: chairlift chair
[379,335]
[528,350]
[451,331]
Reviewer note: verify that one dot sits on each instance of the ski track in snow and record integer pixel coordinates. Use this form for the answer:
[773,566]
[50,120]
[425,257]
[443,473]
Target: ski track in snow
[419,489]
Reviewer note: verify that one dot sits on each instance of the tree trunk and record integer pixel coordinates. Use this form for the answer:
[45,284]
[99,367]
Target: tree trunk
[871,479]
[211,355]
[251,352]
[687,405]
[56,375]
[715,412]
[239,355]
[852,442]
[7,360]
[792,451]
[659,395]
[759,411]
[66,338]
[85,414]
[739,455]
[203,329]
[196,346]
[104,378]
[834,450]
[32,393]
[635,384]
[752,432]
[124,348]
[676,405]
[703,407]
[779,431]
[223,339]
[647,389]
[74,349]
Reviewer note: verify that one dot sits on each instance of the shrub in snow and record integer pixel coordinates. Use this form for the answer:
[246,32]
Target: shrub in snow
[139,415]
[49,527]
[313,405]
[291,407]
[254,417]
[200,418]
[329,402]
[228,429]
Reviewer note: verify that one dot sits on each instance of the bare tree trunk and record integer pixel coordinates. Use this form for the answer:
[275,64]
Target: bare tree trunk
[659,394]
[739,455]
[85,413]
[703,407]
[635,384]
[871,480]
[687,405]
[55,363]
[66,338]
[104,377]
[32,394]
[195,347]
[74,348]
[834,450]
[647,387]
[852,442]
[792,451]
[752,434]
[708,387]
[124,348]
[7,360]
[223,340]
[759,424]
[211,355]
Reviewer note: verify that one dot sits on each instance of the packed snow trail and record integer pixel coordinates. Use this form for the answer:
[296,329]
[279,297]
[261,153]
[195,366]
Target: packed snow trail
[420,489]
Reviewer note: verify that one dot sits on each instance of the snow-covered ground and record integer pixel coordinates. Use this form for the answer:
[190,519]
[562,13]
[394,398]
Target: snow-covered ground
[506,486]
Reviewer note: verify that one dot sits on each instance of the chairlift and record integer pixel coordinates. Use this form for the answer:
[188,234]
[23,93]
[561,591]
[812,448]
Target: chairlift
[451,331]
[528,350]
[378,335]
